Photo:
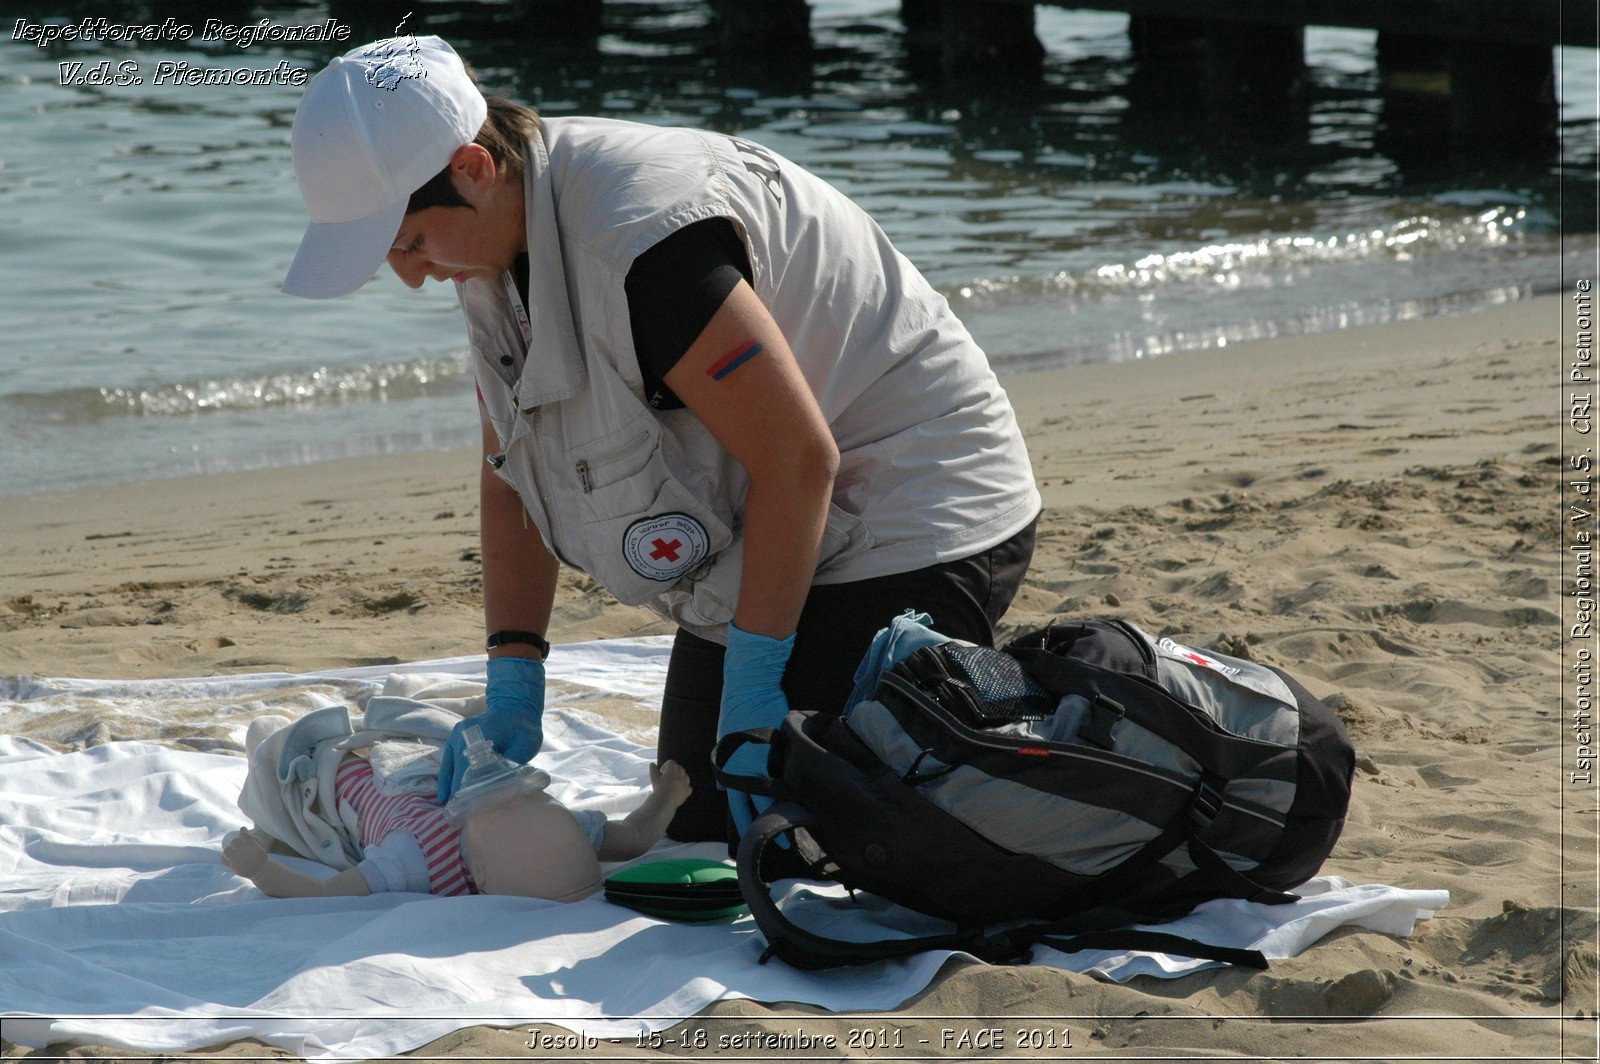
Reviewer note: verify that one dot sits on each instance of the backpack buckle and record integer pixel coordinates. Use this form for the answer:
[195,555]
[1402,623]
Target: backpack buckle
[1207,801]
[1104,715]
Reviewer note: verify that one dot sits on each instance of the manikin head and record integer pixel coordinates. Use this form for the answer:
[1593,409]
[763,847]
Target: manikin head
[531,846]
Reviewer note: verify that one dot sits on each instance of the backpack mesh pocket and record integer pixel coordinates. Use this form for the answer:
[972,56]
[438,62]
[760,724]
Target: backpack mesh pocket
[1000,691]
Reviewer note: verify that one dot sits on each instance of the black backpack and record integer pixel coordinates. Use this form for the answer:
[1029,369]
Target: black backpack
[1084,777]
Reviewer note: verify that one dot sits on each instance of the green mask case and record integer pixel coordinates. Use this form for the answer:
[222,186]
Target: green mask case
[682,888]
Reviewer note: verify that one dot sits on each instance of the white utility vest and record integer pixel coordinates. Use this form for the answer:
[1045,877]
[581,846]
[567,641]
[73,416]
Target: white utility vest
[648,502]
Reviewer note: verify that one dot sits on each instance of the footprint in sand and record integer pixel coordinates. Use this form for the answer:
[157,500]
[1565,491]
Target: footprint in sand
[282,602]
[402,600]
[158,653]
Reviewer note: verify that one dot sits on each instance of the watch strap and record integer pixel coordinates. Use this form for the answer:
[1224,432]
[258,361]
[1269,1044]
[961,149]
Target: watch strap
[507,636]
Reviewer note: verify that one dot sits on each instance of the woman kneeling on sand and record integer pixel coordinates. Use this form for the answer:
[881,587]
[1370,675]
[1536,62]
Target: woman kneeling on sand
[705,377]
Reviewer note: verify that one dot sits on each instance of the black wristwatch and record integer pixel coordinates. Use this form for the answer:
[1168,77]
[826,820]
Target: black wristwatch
[532,639]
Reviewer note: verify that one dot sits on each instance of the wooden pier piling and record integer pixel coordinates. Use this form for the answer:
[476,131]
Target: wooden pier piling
[783,26]
[1483,69]
[1227,64]
[977,36]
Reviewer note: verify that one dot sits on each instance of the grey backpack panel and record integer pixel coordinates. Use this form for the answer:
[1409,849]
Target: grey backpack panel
[1067,833]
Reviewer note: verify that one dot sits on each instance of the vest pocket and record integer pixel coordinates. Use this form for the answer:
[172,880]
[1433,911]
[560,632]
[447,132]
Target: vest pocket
[843,537]
[613,460]
[649,533]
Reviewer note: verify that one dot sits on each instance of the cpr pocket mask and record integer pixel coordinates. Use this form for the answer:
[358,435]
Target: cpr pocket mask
[490,780]
[694,889]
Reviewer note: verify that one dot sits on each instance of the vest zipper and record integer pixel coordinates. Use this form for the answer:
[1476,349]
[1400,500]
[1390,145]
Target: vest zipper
[498,461]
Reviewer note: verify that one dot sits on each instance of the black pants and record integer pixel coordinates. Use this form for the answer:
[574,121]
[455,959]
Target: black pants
[965,599]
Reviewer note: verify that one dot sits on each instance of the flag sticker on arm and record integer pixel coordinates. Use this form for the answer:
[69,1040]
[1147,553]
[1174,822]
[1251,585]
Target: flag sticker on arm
[733,360]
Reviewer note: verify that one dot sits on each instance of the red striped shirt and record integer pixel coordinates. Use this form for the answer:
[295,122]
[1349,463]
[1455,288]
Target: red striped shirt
[379,814]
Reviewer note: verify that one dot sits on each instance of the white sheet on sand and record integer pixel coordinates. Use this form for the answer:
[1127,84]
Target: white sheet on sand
[120,926]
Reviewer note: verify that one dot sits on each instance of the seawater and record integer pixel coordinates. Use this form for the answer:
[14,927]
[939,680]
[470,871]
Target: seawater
[144,230]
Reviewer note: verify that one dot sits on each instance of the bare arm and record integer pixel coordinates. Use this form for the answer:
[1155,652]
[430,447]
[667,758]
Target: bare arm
[741,380]
[247,856]
[519,574]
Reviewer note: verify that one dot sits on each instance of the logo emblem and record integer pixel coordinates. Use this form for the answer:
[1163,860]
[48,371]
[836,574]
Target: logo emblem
[1194,657]
[400,62]
[762,163]
[666,546]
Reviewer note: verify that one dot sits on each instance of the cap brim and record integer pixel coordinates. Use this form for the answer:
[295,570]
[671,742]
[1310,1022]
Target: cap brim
[336,258]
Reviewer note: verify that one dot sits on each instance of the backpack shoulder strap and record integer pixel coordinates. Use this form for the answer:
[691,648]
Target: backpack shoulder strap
[762,785]
[1156,942]
[810,951]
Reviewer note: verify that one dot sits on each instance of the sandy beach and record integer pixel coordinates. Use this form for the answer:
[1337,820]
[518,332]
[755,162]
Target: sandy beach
[1375,510]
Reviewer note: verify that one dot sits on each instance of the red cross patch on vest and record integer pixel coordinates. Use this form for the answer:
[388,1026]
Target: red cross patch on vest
[666,546]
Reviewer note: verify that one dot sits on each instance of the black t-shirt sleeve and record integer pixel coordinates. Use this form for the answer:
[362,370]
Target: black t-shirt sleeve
[674,289]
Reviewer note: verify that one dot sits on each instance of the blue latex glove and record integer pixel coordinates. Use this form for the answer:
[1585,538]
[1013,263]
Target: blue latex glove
[752,697]
[513,721]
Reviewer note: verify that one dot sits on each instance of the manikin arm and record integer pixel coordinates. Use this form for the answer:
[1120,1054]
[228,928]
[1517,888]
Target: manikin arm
[633,835]
[246,855]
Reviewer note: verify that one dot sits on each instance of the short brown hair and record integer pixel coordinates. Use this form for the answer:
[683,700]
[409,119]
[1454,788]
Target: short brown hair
[503,134]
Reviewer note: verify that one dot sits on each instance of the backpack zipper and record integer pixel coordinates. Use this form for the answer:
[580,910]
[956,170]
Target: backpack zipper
[1047,748]
[1025,748]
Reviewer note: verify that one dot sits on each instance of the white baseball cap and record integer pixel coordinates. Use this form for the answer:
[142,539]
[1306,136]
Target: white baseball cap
[372,128]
